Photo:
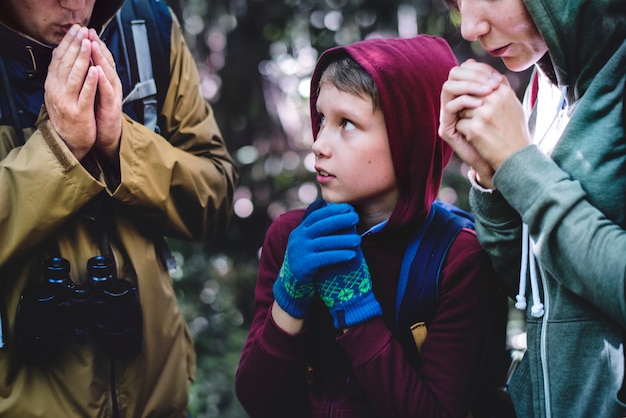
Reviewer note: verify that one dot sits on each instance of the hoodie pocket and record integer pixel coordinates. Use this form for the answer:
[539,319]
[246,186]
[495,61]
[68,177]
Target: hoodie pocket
[520,389]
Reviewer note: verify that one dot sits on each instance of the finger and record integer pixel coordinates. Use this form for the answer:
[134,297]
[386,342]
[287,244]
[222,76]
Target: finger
[473,78]
[473,68]
[466,151]
[108,111]
[335,242]
[323,259]
[464,113]
[453,108]
[100,52]
[107,64]
[87,96]
[62,48]
[78,68]
[473,87]
[333,224]
[106,92]
[70,62]
[328,211]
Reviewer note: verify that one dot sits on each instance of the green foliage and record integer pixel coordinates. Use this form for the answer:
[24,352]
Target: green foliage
[208,287]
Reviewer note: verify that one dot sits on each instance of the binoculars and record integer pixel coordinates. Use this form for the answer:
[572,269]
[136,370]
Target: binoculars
[104,308]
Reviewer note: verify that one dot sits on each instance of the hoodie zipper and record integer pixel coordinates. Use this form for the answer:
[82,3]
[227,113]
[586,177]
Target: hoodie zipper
[543,349]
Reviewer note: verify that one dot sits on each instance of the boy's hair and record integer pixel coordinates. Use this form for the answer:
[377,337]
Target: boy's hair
[348,76]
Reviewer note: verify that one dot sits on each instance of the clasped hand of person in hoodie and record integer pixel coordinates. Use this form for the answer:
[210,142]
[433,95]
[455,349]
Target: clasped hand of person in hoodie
[324,257]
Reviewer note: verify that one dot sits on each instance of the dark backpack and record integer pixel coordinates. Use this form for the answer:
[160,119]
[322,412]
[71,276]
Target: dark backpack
[418,296]
[146,77]
[143,63]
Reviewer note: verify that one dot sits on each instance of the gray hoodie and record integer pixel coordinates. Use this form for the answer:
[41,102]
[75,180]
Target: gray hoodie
[574,204]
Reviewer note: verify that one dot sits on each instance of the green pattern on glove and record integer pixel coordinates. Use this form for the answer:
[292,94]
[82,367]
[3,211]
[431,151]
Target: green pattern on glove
[295,288]
[346,287]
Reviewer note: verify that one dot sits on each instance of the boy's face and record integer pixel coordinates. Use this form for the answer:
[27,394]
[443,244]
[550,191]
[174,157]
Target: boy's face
[504,29]
[48,20]
[353,159]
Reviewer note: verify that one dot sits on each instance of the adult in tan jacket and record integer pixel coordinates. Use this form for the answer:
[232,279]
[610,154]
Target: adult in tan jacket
[87,179]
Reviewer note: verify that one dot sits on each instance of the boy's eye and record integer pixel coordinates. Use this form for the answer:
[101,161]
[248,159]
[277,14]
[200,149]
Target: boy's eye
[348,126]
[322,120]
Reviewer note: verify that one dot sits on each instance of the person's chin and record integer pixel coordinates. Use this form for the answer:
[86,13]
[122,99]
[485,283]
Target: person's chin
[517,64]
[332,197]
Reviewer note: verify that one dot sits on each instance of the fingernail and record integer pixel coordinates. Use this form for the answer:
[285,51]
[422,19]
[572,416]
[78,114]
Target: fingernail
[74,30]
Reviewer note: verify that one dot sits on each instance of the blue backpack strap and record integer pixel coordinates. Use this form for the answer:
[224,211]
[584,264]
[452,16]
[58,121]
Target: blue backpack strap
[418,285]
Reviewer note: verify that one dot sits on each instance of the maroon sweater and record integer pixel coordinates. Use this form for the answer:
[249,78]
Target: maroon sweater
[363,373]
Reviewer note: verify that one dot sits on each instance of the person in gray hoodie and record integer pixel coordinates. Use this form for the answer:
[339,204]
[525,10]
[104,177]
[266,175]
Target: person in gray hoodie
[548,195]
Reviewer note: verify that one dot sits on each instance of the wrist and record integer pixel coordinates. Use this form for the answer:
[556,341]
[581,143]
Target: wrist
[293,295]
[354,311]
[285,321]
[480,184]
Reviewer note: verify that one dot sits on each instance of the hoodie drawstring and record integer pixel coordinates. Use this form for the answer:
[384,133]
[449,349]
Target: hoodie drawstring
[528,258]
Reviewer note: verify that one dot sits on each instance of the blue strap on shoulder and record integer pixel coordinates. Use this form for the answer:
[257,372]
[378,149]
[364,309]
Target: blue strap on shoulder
[418,285]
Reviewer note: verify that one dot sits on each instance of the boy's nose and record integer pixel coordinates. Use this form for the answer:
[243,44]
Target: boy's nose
[322,146]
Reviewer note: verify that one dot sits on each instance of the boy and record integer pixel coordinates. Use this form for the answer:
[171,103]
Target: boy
[323,336]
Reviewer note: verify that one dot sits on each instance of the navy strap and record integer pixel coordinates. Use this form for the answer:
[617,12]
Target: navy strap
[12,106]
[418,285]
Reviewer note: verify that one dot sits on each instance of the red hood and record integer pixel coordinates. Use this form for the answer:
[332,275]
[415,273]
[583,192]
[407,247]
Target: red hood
[408,74]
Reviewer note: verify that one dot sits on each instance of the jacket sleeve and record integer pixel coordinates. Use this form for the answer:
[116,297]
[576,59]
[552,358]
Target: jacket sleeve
[452,356]
[591,249]
[498,228]
[42,185]
[182,182]
[270,377]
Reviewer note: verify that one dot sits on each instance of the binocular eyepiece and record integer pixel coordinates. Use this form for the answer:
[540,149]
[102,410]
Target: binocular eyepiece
[105,307]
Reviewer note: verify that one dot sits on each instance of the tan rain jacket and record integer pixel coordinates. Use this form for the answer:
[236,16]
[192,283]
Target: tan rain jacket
[180,187]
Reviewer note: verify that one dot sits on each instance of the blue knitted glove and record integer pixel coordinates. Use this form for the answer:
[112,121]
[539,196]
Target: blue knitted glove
[346,289]
[313,245]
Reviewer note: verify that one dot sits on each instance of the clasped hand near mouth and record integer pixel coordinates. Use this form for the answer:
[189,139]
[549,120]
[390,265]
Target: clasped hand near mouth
[481,118]
[83,94]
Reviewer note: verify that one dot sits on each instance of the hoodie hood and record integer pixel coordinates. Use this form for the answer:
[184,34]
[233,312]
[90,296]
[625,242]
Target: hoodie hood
[581,36]
[103,11]
[408,74]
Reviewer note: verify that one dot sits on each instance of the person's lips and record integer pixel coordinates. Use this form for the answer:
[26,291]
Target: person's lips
[323,176]
[498,52]
[66,28]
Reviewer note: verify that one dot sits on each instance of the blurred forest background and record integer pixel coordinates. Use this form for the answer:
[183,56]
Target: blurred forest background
[255,59]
